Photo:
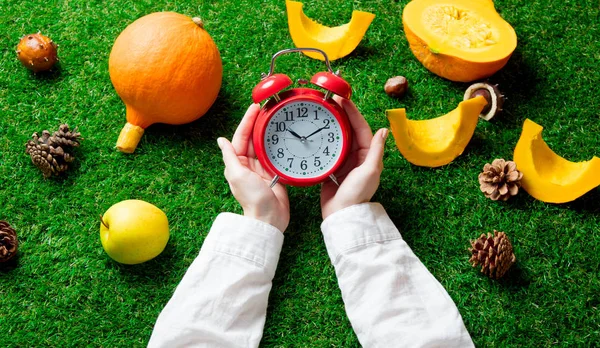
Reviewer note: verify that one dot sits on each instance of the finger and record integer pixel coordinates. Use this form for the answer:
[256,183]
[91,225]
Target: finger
[280,192]
[374,157]
[250,150]
[362,131]
[230,158]
[349,164]
[243,133]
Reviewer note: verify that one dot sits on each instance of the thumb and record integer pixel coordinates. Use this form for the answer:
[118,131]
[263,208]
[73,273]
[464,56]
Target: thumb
[229,156]
[375,155]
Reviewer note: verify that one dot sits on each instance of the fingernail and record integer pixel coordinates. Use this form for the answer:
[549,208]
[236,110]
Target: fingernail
[384,133]
[220,142]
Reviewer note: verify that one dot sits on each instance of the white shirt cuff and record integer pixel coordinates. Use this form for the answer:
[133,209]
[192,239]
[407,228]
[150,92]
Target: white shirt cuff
[356,226]
[247,238]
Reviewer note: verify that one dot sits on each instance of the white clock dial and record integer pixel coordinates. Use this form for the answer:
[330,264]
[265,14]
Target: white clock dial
[303,140]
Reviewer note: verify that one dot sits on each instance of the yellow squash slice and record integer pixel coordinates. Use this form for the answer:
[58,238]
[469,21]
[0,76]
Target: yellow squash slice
[436,142]
[337,42]
[547,176]
[460,40]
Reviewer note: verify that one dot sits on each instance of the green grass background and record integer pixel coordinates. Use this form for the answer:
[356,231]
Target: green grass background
[63,290]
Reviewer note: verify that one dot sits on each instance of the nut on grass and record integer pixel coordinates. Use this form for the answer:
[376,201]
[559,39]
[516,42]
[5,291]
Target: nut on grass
[495,99]
[396,86]
[37,52]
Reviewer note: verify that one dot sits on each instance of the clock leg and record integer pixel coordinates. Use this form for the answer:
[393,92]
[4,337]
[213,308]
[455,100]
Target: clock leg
[334,179]
[274,181]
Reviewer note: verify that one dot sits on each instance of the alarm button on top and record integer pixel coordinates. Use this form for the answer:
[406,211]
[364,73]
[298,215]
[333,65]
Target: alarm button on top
[332,83]
[270,86]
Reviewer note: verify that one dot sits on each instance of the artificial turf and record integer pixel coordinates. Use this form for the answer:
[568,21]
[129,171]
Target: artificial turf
[63,290]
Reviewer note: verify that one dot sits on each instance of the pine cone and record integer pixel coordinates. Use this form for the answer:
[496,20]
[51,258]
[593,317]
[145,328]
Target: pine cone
[51,154]
[8,242]
[500,180]
[494,254]
[65,138]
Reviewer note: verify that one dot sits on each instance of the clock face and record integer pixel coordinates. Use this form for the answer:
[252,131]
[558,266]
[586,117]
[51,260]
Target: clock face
[303,139]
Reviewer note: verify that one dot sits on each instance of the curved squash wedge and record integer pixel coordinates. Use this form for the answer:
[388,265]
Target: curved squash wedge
[337,42]
[436,142]
[460,40]
[489,3]
[547,176]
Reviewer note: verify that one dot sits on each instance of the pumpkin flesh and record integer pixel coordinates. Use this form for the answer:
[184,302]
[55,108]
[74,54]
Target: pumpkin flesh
[435,142]
[336,42]
[547,176]
[461,40]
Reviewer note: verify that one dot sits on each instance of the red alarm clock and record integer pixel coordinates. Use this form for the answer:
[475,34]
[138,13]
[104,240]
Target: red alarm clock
[301,135]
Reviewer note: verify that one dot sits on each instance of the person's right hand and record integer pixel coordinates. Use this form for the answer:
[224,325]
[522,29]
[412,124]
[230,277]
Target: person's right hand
[359,176]
[248,180]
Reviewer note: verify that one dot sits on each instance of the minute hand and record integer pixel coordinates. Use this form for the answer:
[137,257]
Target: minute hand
[317,131]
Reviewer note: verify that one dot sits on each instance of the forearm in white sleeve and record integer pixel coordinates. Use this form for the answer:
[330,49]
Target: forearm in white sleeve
[390,297]
[222,299]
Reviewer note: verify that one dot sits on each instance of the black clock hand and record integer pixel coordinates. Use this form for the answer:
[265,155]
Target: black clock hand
[295,134]
[317,131]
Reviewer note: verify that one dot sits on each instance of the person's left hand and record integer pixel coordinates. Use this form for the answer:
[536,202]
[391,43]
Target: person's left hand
[248,181]
[360,174]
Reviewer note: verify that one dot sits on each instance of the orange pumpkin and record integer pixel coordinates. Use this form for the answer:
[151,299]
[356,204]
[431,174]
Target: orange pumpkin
[460,40]
[167,69]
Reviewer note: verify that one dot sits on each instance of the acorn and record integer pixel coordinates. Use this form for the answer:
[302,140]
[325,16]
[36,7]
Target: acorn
[396,86]
[492,95]
[37,52]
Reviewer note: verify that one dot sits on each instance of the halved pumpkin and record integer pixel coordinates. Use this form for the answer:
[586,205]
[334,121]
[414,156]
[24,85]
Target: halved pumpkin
[337,42]
[436,142]
[460,40]
[547,176]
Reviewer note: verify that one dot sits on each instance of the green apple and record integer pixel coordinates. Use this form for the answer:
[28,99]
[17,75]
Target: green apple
[134,231]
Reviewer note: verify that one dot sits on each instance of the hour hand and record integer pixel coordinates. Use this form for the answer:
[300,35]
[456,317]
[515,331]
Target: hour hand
[294,134]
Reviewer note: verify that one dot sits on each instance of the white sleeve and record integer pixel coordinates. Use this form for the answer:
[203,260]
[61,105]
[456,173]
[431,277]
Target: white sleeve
[390,297]
[222,299]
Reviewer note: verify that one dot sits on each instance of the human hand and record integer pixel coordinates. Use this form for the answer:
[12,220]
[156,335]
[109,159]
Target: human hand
[359,176]
[248,181]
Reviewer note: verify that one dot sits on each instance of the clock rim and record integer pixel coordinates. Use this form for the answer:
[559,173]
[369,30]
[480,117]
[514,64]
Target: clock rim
[270,109]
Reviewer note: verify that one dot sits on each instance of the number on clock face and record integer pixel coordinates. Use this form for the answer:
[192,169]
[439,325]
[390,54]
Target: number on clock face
[303,140]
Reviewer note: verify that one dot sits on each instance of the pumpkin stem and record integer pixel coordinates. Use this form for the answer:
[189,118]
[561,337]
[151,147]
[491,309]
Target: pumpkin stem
[198,22]
[129,138]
